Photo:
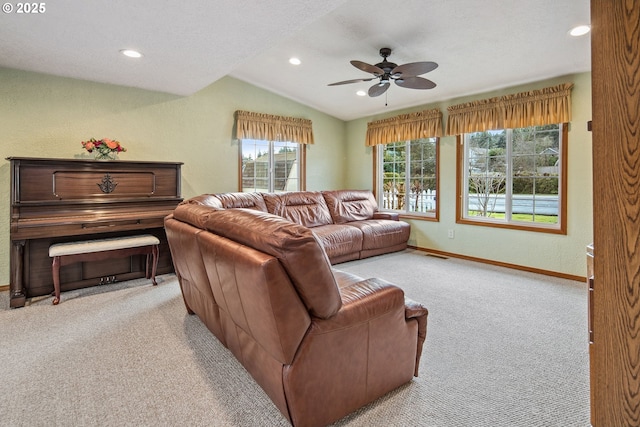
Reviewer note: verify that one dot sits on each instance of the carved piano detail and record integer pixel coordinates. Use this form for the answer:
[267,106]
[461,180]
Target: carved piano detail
[107,185]
[60,200]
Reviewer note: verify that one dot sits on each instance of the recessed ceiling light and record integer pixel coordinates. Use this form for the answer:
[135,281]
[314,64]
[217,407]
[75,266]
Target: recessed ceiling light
[361,93]
[131,53]
[580,30]
[294,61]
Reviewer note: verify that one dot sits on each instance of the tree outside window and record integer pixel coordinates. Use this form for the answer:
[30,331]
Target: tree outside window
[514,176]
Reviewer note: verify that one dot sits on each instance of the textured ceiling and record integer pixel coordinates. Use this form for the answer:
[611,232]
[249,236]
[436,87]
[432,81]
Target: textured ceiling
[480,45]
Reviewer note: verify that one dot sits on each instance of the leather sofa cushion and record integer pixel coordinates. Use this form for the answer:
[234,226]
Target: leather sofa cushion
[242,200]
[194,213]
[204,200]
[295,246]
[350,205]
[307,208]
[382,233]
[345,279]
[338,240]
[230,201]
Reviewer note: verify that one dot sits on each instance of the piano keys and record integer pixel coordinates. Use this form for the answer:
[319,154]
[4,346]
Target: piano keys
[62,200]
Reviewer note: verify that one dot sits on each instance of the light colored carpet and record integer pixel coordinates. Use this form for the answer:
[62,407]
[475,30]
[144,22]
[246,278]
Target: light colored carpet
[503,348]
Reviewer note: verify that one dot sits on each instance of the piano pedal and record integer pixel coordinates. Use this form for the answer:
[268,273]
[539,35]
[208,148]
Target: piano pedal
[107,280]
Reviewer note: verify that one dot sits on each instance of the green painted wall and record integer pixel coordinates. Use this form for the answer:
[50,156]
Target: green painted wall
[47,116]
[558,253]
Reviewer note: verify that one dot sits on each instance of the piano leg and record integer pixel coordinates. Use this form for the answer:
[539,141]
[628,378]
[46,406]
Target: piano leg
[55,267]
[154,250]
[150,270]
[17,293]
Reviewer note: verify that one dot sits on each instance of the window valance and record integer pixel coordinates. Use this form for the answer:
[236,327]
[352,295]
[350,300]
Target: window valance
[534,108]
[423,124]
[269,127]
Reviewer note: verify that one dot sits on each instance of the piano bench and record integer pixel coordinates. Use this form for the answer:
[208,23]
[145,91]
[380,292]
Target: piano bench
[101,249]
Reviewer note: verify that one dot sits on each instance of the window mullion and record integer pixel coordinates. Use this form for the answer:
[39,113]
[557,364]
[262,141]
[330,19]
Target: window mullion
[508,194]
[299,149]
[270,169]
[407,171]
[465,205]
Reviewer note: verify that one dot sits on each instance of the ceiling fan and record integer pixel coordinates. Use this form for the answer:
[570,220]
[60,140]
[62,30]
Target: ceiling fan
[404,75]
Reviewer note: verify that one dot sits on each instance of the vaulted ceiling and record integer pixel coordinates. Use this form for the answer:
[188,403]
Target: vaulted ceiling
[480,45]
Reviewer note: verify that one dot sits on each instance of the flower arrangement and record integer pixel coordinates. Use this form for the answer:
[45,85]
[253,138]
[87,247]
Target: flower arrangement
[105,148]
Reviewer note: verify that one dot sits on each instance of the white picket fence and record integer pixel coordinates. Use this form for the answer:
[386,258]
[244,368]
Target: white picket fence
[423,201]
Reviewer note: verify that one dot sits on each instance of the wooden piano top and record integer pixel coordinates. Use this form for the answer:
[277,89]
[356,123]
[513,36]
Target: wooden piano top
[60,197]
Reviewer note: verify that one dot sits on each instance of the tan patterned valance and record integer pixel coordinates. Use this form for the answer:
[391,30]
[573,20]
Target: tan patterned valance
[534,108]
[273,128]
[423,124]
[476,116]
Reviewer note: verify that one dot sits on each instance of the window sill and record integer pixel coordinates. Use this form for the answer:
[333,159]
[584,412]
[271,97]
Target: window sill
[419,217]
[514,226]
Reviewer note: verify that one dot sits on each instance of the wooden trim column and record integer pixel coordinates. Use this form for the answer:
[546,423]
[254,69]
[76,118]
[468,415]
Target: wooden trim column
[615,351]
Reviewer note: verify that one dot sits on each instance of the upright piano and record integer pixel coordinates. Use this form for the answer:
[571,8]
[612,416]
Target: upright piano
[62,200]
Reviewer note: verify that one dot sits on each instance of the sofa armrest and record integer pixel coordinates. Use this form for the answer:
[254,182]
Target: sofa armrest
[360,353]
[394,216]
[414,310]
[361,302]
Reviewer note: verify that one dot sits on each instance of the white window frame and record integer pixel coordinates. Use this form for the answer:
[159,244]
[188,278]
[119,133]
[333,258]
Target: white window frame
[379,181]
[272,147]
[508,221]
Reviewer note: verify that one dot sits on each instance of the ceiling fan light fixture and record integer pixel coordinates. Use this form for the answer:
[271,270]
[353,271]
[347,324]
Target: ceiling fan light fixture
[405,75]
[361,93]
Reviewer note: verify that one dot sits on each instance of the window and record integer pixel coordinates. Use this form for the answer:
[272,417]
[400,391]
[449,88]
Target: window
[407,174]
[270,166]
[514,178]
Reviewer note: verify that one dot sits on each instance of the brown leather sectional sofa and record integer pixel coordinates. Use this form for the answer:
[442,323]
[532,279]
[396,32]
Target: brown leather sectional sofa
[320,342]
[347,222]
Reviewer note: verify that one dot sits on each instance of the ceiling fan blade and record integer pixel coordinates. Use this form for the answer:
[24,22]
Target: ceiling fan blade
[367,68]
[415,83]
[415,68]
[350,81]
[378,89]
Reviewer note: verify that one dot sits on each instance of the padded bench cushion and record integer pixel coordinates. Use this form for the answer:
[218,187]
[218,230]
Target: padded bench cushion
[99,245]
